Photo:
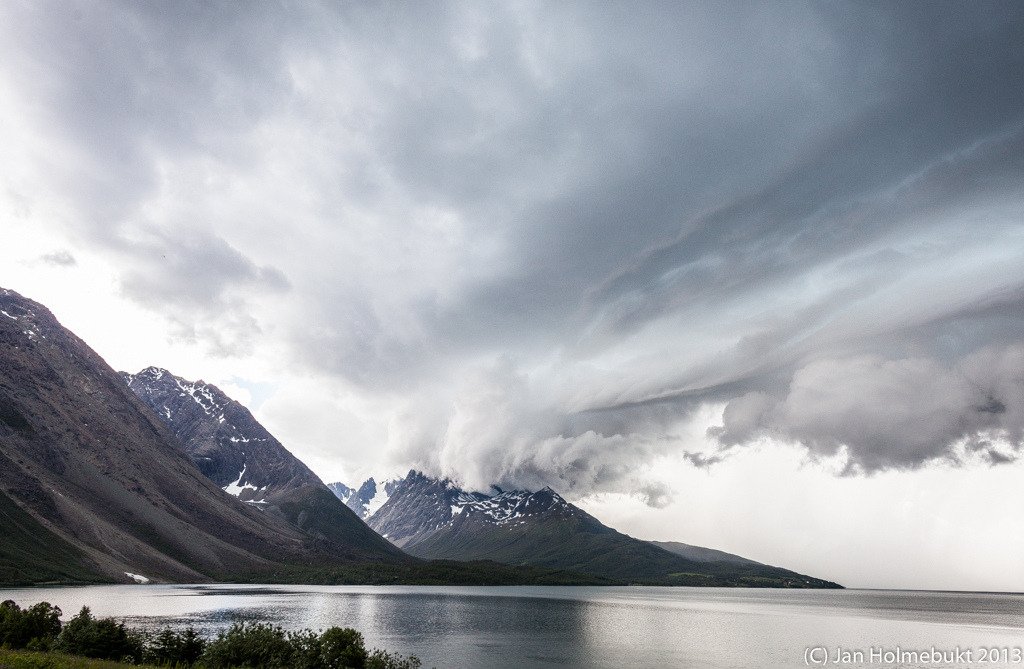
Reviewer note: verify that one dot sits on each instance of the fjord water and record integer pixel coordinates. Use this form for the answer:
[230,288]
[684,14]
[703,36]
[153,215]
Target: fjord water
[532,627]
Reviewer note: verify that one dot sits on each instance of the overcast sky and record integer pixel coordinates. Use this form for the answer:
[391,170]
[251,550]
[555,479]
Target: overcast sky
[741,275]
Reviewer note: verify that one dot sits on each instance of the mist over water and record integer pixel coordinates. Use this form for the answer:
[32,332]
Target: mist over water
[585,627]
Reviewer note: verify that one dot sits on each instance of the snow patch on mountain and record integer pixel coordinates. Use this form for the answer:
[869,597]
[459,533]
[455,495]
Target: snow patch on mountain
[199,392]
[27,319]
[236,488]
[368,498]
[377,501]
[506,507]
[341,491]
[419,506]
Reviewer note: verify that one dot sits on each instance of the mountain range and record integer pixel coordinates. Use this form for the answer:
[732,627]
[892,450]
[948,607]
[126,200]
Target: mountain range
[435,519]
[367,498]
[96,486]
[106,486]
[108,477]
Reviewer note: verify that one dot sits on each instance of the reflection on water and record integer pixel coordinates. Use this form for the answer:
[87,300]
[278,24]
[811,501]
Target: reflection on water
[536,627]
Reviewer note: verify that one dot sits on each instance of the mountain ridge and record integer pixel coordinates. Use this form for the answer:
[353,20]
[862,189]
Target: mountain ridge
[226,442]
[367,498]
[83,458]
[435,519]
[98,485]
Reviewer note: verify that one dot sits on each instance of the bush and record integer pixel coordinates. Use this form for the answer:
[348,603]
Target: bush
[251,646]
[262,646]
[177,649]
[381,659]
[244,646]
[342,647]
[103,639]
[35,627]
[305,650]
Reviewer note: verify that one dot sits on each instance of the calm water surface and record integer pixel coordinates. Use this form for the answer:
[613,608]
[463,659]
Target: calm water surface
[534,627]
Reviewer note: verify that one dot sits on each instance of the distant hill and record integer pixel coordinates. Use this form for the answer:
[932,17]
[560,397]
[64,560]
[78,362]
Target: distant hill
[701,554]
[435,519]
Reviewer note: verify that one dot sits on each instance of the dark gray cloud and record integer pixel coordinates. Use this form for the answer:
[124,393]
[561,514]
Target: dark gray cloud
[548,234]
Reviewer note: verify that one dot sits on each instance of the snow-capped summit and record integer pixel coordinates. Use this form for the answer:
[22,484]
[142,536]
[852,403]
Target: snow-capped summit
[408,510]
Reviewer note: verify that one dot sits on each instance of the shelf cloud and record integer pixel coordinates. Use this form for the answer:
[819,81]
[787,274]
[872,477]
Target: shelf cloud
[544,236]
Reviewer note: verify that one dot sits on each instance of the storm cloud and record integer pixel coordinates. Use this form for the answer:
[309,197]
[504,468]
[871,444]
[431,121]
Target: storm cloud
[543,236]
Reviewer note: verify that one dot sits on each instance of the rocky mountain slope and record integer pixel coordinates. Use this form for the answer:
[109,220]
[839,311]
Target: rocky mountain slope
[701,554]
[434,518]
[94,482]
[221,436]
[237,453]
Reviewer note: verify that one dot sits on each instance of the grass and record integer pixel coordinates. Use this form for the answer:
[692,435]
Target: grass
[26,659]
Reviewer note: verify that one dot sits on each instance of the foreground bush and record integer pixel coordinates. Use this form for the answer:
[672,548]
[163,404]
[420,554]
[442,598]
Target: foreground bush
[381,659]
[103,639]
[175,649]
[249,646]
[35,627]
[244,646]
[259,645]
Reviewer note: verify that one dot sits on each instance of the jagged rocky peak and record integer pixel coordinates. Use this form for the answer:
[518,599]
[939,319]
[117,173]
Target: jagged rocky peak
[340,490]
[31,319]
[366,499]
[419,506]
[156,381]
[221,436]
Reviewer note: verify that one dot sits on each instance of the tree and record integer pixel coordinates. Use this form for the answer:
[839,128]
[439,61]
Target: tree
[35,627]
[175,648]
[104,639]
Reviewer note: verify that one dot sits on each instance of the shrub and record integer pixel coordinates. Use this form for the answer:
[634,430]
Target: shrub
[104,639]
[306,650]
[381,659]
[35,627]
[249,645]
[342,647]
[243,646]
[178,649]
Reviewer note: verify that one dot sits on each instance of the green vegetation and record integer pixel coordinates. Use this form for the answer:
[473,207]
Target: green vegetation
[30,553]
[104,639]
[33,638]
[27,659]
[35,626]
[434,572]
